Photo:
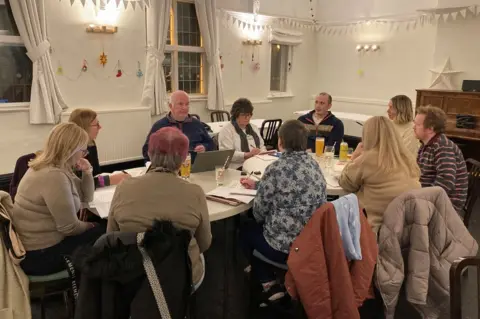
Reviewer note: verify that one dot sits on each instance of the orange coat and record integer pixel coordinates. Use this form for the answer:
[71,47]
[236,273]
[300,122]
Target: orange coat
[320,275]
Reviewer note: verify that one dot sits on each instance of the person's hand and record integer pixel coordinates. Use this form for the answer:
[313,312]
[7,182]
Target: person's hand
[83,165]
[116,179]
[199,148]
[247,183]
[358,151]
[254,151]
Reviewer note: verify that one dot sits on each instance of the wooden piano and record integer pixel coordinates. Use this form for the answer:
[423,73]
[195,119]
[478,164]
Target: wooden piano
[453,103]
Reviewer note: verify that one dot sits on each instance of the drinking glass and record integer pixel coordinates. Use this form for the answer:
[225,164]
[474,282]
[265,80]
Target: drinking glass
[220,175]
[186,168]
[319,144]
[328,156]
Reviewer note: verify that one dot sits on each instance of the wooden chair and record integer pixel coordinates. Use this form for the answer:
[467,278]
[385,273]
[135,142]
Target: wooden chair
[269,132]
[456,278]
[473,189]
[219,116]
[196,116]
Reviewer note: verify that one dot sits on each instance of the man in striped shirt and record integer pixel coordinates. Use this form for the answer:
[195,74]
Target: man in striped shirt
[441,161]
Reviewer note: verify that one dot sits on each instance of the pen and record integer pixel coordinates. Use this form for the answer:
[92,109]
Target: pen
[124,172]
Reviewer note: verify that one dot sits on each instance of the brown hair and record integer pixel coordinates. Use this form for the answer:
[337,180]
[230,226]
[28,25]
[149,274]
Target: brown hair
[83,118]
[293,135]
[403,106]
[435,118]
[329,97]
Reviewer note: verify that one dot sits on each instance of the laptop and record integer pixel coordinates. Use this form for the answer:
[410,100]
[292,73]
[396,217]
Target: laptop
[207,161]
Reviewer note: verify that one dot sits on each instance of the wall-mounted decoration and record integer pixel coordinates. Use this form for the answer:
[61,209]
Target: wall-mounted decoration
[442,77]
[94,28]
[139,70]
[133,3]
[84,66]
[103,59]
[367,47]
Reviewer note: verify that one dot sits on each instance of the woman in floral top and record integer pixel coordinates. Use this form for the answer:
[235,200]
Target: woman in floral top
[291,189]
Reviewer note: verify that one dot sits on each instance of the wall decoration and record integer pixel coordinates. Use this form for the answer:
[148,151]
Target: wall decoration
[119,69]
[84,66]
[139,70]
[133,3]
[103,59]
[443,76]
[59,69]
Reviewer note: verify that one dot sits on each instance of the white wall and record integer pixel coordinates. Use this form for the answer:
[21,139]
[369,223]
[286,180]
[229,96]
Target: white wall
[283,8]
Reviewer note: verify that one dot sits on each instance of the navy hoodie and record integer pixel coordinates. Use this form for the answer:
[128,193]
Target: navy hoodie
[330,121]
[191,127]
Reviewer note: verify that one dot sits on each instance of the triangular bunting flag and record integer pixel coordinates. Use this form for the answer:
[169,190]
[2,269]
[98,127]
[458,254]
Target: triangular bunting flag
[454,15]
[437,17]
[445,16]
[125,4]
[239,23]
[71,2]
[147,3]
[134,4]
[141,4]
[118,2]
[473,9]
[463,13]
[94,3]
[83,2]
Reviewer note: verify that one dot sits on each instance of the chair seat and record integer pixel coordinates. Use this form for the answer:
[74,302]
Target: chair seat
[257,254]
[52,277]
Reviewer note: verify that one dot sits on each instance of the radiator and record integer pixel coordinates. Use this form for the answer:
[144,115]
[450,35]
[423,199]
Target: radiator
[122,135]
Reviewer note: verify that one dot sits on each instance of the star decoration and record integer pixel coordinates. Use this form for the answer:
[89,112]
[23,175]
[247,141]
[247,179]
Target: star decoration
[103,59]
[443,77]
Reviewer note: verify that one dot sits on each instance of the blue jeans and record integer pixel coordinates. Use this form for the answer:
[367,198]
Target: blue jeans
[251,238]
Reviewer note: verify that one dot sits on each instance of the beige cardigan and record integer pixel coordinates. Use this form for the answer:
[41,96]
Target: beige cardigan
[157,195]
[374,189]
[408,137]
[46,206]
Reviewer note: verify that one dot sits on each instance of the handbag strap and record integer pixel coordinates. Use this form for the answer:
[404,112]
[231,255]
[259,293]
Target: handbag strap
[153,279]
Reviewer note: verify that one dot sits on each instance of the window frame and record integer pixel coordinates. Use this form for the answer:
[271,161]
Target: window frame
[174,49]
[287,92]
[11,40]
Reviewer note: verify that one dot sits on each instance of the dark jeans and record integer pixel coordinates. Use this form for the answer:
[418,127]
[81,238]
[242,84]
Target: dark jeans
[50,260]
[251,238]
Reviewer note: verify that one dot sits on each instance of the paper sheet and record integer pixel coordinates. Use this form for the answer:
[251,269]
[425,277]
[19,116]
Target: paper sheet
[102,199]
[225,192]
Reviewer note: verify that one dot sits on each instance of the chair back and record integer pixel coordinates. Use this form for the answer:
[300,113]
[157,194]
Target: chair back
[21,167]
[457,272]
[219,116]
[196,116]
[269,132]
[473,189]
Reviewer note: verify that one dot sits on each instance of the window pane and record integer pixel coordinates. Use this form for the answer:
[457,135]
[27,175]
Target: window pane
[169,32]
[189,70]
[15,74]
[7,24]
[279,68]
[167,69]
[187,29]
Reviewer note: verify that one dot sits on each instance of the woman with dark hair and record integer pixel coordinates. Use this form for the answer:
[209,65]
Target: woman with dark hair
[240,135]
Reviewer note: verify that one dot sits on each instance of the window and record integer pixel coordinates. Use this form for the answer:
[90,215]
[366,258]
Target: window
[15,66]
[280,55]
[184,54]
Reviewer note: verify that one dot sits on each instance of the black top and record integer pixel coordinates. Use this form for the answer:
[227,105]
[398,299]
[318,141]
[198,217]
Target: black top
[92,157]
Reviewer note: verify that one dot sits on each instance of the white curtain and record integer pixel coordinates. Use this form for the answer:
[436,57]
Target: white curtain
[46,101]
[207,20]
[154,93]
[285,36]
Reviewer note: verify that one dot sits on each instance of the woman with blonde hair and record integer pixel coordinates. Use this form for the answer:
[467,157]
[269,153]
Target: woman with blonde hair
[87,119]
[48,199]
[400,111]
[381,169]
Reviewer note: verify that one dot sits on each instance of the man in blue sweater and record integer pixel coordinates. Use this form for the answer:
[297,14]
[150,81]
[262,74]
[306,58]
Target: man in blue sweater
[322,123]
[179,105]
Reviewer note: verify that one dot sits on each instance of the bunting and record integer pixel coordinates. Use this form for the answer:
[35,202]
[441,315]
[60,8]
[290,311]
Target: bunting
[133,3]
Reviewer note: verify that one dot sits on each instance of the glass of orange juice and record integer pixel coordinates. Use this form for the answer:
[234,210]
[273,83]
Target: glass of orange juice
[319,145]
[349,153]
[186,168]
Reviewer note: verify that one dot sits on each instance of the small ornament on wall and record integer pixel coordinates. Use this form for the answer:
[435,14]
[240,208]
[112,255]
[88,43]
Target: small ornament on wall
[84,66]
[360,73]
[59,69]
[119,70]
[103,59]
[221,63]
[139,70]
[255,66]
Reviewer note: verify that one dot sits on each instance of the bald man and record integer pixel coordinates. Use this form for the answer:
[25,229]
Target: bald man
[178,116]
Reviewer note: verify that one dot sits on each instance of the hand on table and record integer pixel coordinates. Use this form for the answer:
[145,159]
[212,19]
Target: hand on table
[247,183]
[116,179]
[199,148]
[254,151]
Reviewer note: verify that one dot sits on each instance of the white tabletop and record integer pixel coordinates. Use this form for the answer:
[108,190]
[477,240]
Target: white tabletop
[217,126]
[357,117]
[260,163]
[206,180]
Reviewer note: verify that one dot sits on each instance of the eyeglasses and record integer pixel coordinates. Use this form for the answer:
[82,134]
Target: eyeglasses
[246,114]
[95,125]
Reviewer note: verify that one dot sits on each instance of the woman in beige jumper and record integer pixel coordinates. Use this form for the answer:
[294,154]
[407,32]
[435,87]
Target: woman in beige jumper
[161,194]
[400,111]
[381,169]
[48,199]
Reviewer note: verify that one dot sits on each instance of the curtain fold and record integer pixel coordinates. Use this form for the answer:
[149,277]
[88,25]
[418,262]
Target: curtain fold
[46,101]
[154,93]
[207,20]
[285,36]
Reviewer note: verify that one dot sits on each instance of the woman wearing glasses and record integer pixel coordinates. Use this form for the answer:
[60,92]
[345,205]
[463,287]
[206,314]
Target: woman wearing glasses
[87,120]
[48,199]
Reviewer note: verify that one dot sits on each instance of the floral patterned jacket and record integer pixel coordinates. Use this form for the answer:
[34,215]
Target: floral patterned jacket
[291,189]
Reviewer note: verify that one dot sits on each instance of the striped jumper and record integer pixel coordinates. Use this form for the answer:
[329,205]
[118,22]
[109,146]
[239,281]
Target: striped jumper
[441,163]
